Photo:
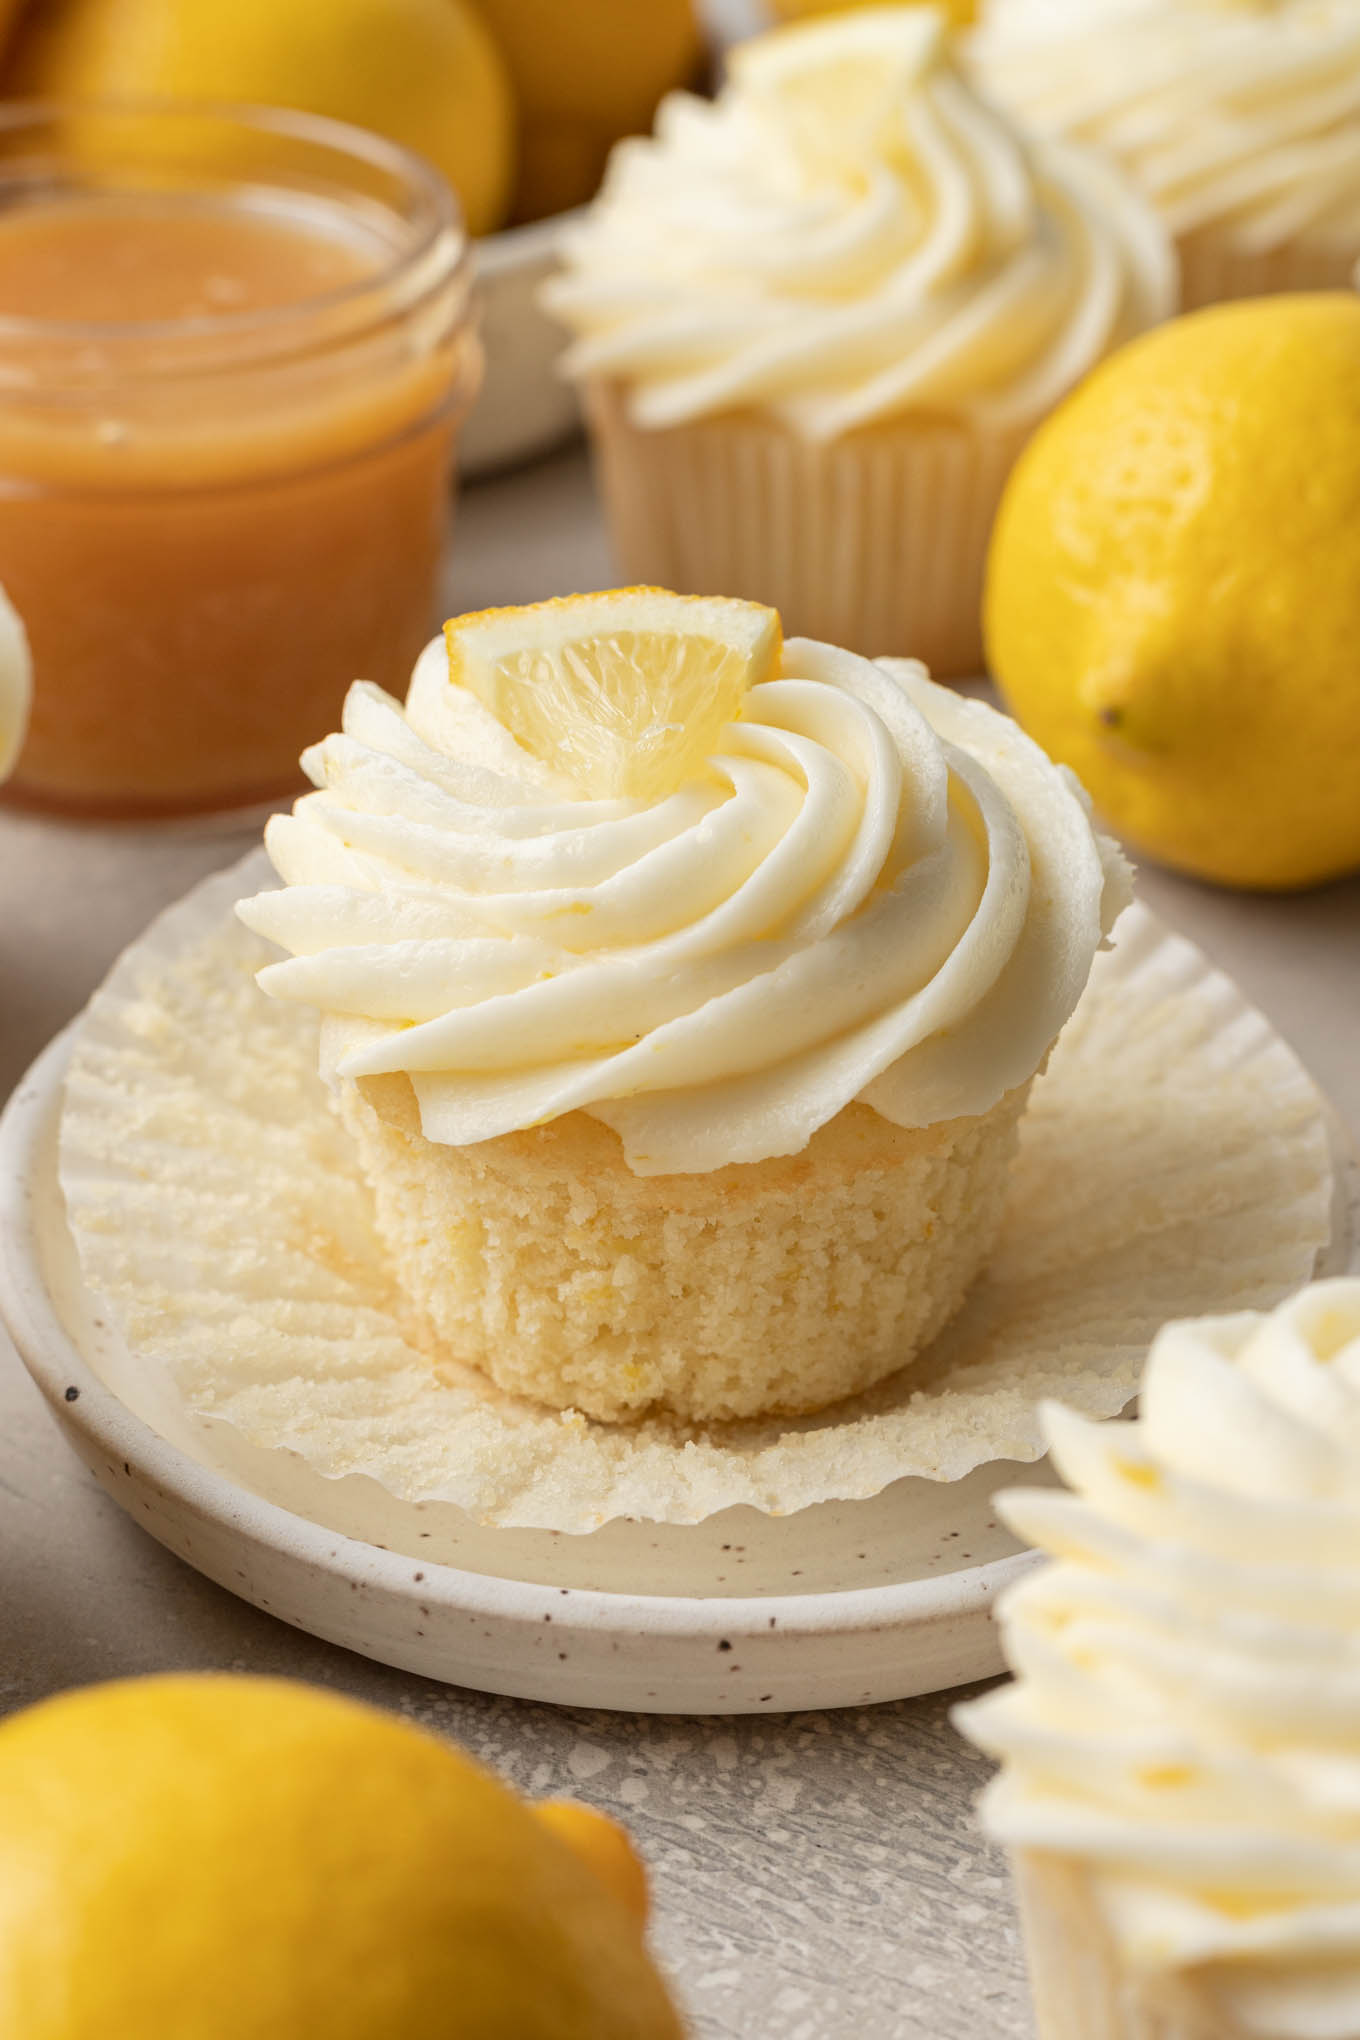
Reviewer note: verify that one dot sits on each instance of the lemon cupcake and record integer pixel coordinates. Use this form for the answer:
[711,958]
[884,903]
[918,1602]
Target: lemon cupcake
[682,990]
[1180,1778]
[816,320]
[1238,119]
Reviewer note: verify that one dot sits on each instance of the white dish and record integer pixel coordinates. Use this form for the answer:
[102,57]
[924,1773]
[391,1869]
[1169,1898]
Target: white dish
[555,1633]
[841,1604]
[524,407]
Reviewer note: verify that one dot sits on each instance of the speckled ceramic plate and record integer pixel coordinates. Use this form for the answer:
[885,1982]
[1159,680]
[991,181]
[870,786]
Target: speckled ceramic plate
[833,1607]
[837,1605]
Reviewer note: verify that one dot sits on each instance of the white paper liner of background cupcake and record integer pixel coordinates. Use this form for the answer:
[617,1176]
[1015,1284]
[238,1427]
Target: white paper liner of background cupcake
[1217,268]
[876,541]
[1174,1162]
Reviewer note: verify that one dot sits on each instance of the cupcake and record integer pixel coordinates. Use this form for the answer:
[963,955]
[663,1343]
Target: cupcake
[1238,119]
[816,320]
[682,990]
[1180,1779]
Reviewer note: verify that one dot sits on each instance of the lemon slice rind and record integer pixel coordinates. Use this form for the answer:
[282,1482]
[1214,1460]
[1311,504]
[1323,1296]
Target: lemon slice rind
[624,693]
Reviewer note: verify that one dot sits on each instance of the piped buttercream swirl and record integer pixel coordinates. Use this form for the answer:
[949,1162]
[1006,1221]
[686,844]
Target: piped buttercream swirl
[1186,1713]
[849,234]
[876,890]
[1237,115]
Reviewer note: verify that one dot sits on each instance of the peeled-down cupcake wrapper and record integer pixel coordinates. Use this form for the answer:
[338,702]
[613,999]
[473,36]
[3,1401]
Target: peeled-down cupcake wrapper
[1174,1160]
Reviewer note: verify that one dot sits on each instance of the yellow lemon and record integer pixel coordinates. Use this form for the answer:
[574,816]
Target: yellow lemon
[16,684]
[585,72]
[422,72]
[1173,594]
[959,11]
[624,693]
[244,1859]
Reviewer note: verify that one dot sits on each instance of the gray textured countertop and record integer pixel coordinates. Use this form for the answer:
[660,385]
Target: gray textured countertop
[817,1877]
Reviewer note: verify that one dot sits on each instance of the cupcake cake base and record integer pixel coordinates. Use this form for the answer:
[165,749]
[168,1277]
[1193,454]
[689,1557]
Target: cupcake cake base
[765,1288]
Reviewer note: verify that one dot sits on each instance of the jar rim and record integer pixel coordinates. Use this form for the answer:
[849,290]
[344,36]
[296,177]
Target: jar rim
[436,214]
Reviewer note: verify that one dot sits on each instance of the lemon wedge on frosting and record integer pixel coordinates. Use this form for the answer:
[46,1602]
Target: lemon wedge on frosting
[842,78]
[625,694]
[16,684]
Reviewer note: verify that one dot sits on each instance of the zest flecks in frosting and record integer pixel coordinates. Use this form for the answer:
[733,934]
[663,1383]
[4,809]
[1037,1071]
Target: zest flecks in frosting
[1185,1720]
[876,890]
[849,234]
[1237,115]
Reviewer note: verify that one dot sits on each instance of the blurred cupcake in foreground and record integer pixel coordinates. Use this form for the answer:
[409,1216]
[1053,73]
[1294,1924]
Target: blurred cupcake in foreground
[1238,119]
[682,991]
[816,320]
[1180,1781]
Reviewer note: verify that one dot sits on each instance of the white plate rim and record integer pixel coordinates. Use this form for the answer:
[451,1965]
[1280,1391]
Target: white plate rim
[528,242]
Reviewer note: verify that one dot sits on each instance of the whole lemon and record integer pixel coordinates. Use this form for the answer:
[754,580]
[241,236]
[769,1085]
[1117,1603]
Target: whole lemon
[1172,603]
[421,72]
[215,1858]
[585,72]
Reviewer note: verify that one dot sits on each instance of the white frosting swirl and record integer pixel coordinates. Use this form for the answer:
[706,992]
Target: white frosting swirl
[1240,115]
[878,890]
[1186,1717]
[847,234]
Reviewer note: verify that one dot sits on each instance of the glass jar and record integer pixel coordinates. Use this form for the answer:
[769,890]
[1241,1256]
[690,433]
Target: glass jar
[235,347]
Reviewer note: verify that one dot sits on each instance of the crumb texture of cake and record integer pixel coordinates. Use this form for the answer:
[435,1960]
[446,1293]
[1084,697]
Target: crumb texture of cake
[766,1288]
[1180,1781]
[685,1068]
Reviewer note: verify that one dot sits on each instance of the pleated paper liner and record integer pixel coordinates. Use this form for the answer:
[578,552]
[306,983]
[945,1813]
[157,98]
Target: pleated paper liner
[1216,268]
[1081,1988]
[1174,1160]
[876,541]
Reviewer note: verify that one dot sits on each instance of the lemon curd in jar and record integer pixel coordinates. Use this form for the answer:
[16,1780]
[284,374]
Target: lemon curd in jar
[234,349]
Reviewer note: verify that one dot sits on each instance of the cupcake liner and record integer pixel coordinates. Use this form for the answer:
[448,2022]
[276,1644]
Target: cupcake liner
[876,542]
[1081,1989]
[1174,1162]
[1215,268]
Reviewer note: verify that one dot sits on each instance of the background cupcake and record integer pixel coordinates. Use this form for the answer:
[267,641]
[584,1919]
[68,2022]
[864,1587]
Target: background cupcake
[1238,119]
[682,994]
[1181,1763]
[816,320]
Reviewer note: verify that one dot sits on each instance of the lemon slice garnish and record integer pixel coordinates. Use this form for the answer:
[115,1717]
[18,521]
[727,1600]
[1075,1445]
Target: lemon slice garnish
[16,684]
[625,693]
[839,82]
